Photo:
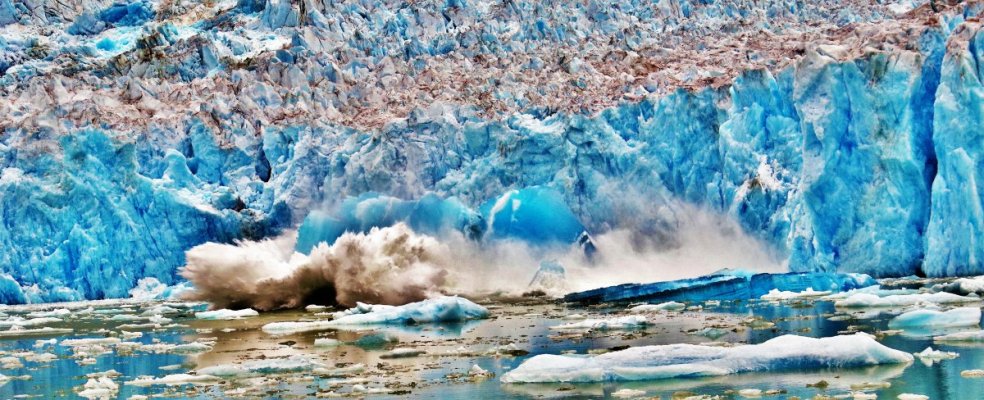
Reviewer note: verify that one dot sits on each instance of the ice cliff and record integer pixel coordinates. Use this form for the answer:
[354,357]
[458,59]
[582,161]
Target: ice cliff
[845,135]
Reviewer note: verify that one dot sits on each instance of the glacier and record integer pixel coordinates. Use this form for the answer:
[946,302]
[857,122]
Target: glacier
[134,131]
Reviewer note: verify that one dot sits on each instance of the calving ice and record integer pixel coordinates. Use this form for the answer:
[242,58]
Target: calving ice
[465,197]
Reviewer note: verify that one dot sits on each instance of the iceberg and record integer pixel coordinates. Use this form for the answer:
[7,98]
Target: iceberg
[783,353]
[955,318]
[436,310]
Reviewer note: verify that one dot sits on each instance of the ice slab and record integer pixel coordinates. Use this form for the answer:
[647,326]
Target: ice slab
[783,353]
[723,286]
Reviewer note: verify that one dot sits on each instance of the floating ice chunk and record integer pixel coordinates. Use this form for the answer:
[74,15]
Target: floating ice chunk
[975,336]
[750,393]
[17,331]
[912,396]
[296,363]
[40,357]
[226,314]
[18,321]
[930,356]
[102,388]
[42,343]
[958,317]
[787,352]
[667,306]
[964,286]
[57,313]
[628,393]
[439,309]
[875,290]
[339,372]
[972,373]
[327,342]
[862,300]
[315,308]
[778,295]
[477,371]
[929,353]
[174,380]
[626,322]
[403,352]
[160,309]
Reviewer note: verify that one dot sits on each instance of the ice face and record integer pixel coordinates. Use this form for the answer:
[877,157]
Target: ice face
[247,121]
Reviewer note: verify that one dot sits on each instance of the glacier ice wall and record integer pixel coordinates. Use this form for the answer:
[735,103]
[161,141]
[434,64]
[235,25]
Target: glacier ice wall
[130,136]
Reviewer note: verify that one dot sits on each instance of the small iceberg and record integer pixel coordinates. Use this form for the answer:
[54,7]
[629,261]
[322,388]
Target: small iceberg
[226,314]
[955,318]
[438,309]
[783,353]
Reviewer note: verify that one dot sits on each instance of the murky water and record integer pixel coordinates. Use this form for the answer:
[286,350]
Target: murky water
[452,349]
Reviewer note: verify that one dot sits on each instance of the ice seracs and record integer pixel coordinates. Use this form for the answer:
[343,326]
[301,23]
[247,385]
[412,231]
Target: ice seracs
[683,360]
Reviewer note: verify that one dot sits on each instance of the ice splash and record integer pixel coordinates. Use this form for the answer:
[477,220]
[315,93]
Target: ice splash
[390,265]
[397,265]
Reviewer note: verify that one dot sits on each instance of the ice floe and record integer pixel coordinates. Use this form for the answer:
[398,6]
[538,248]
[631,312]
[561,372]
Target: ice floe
[666,306]
[778,295]
[226,314]
[975,336]
[958,317]
[787,352]
[626,322]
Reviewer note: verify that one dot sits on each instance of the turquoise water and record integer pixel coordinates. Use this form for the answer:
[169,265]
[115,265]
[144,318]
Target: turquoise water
[452,349]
